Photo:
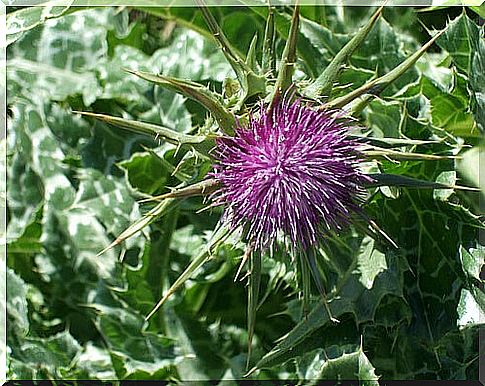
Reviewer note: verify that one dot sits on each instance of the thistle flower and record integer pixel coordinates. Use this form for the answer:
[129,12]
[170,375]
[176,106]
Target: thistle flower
[292,172]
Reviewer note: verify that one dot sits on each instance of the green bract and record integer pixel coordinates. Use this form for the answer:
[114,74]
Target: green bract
[111,132]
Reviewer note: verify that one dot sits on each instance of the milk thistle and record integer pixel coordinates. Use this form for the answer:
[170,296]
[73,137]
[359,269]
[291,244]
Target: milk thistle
[291,171]
[287,171]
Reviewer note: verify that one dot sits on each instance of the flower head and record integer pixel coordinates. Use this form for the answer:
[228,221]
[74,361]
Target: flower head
[292,171]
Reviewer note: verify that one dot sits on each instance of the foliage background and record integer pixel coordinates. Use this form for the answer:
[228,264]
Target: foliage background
[73,186]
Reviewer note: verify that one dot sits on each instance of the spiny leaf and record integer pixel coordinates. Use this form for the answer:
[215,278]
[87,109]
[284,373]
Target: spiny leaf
[269,61]
[251,83]
[376,86]
[199,93]
[288,59]
[234,59]
[218,238]
[200,143]
[201,188]
[322,86]
[251,56]
[384,179]
[376,152]
[386,142]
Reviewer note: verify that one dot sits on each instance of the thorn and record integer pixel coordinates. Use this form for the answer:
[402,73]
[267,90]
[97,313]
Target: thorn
[177,149]
[382,233]
[245,276]
[133,72]
[113,244]
[122,255]
[207,207]
[250,372]
[159,304]
[243,261]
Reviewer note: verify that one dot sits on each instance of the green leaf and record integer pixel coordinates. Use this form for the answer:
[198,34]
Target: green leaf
[145,172]
[108,199]
[23,20]
[120,86]
[66,72]
[456,40]
[92,363]
[135,353]
[430,234]
[472,261]
[351,297]
[28,241]
[16,306]
[459,350]
[61,83]
[469,311]
[338,363]
[384,118]
[39,358]
[172,61]
[446,178]
[200,358]
[449,109]
[464,42]
[42,147]
[370,262]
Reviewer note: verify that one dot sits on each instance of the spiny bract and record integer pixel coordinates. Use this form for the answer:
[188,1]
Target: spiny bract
[290,170]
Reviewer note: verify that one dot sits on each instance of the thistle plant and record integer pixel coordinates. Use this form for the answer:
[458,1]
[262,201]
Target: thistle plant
[288,161]
[292,171]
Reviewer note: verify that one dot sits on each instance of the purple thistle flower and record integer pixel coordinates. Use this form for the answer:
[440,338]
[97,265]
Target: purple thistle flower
[292,172]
